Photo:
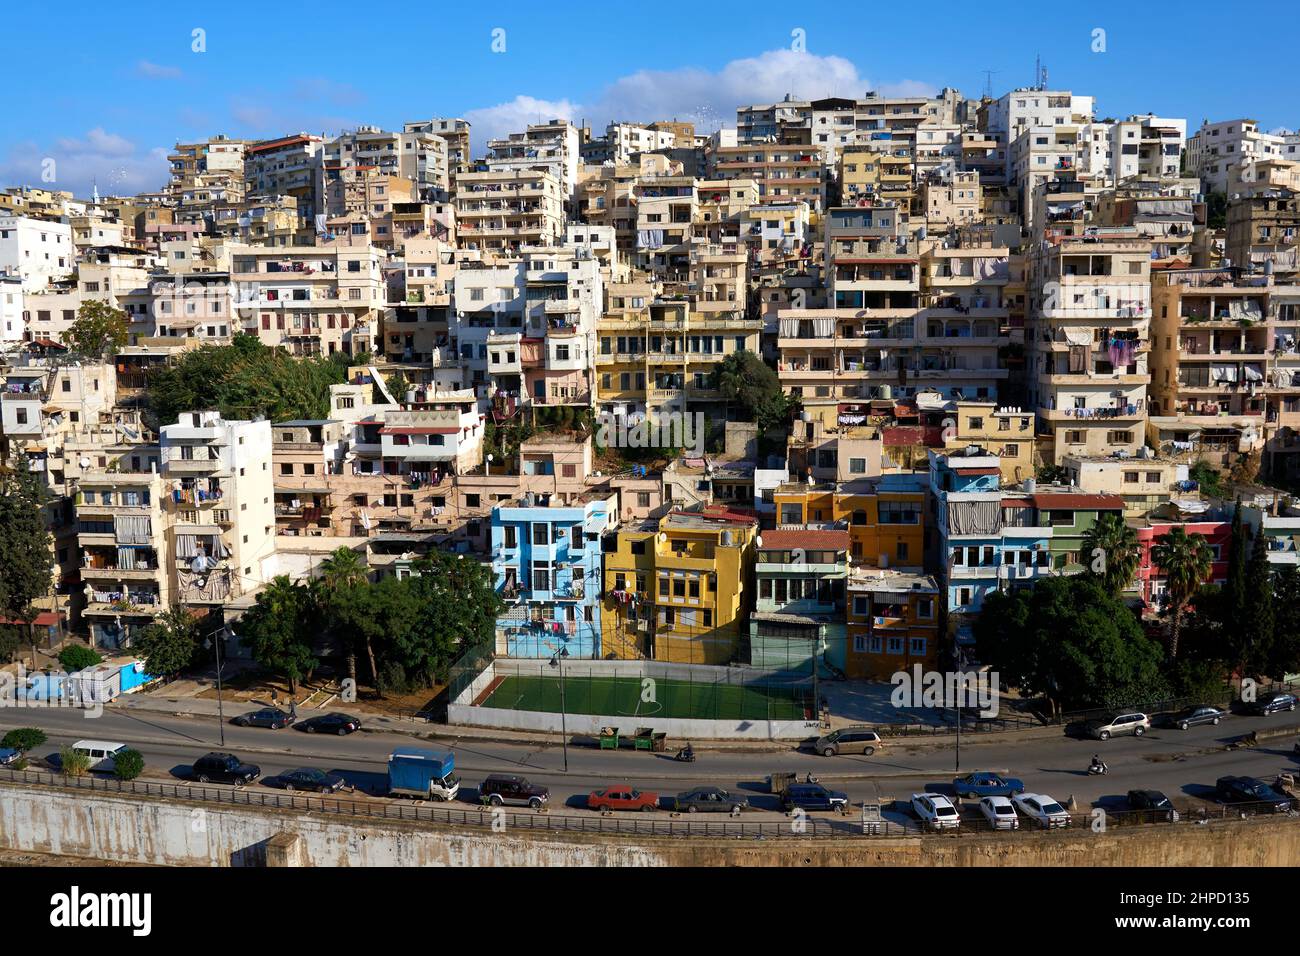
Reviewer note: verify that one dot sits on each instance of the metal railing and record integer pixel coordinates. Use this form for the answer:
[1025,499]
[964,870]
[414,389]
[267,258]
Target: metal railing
[814,826]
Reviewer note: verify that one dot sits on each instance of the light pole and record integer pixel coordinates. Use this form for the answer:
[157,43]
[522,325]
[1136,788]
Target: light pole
[557,660]
[214,641]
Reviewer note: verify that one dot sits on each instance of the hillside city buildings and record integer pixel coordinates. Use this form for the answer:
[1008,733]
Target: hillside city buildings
[1003,319]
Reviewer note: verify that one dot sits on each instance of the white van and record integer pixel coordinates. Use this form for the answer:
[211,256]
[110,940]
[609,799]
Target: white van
[102,754]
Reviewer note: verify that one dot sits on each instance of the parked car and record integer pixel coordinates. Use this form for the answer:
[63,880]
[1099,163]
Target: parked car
[272,717]
[813,796]
[101,755]
[849,740]
[9,755]
[1155,801]
[936,811]
[709,800]
[999,812]
[1251,790]
[1116,725]
[341,724]
[224,768]
[309,778]
[501,788]
[1196,715]
[622,797]
[987,785]
[1042,809]
[1272,702]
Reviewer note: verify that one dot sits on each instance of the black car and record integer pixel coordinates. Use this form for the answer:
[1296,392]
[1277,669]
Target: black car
[1252,790]
[709,800]
[1198,714]
[1153,800]
[272,717]
[813,796]
[1273,702]
[340,724]
[309,778]
[224,768]
[503,788]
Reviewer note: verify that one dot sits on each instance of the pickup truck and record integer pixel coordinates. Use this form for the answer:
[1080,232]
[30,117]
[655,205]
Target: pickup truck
[424,774]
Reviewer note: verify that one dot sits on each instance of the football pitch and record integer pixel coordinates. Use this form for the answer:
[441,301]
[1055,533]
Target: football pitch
[622,697]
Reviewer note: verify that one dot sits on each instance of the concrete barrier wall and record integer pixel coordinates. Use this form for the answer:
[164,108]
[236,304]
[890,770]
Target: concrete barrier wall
[674,727]
[164,832]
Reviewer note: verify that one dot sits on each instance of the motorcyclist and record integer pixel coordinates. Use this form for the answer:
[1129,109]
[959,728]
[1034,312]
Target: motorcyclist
[1096,766]
[687,752]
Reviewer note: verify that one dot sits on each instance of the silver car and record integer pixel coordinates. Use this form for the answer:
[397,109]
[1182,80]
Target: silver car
[1116,725]
[848,740]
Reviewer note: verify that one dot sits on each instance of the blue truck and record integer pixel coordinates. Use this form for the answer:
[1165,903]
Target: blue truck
[423,774]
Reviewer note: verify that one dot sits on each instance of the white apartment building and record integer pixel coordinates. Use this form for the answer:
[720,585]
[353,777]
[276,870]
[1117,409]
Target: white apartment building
[555,147]
[1140,145]
[36,250]
[1216,149]
[507,209]
[12,323]
[1015,114]
[219,497]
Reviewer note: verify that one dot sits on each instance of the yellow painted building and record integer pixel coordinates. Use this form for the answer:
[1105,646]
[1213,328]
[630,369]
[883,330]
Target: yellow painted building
[677,590]
[884,516]
[892,622]
[1005,432]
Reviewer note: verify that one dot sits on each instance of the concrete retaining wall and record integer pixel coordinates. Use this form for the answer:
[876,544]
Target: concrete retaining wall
[148,830]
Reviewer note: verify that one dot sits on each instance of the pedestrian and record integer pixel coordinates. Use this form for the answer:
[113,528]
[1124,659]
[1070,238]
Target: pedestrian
[293,710]
[275,699]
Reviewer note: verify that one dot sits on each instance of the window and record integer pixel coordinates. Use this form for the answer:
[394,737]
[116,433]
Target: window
[857,466]
[541,534]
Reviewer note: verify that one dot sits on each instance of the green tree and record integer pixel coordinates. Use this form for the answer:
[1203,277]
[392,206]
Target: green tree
[1238,556]
[342,572]
[98,330]
[169,644]
[1257,621]
[459,607]
[26,555]
[25,739]
[1186,561]
[128,764]
[1216,210]
[1284,651]
[77,657]
[279,630]
[1069,640]
[386,615]
[1111,552]
[752,387]
[74,763]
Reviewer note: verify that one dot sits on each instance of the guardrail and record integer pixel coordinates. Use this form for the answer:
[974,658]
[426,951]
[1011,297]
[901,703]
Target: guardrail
[832,825]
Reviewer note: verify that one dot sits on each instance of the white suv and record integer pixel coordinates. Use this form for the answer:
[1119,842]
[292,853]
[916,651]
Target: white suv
[1116,725]
[936,811]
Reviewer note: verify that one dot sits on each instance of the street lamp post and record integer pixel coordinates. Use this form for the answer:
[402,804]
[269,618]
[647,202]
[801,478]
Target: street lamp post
[215,641]
[558,661]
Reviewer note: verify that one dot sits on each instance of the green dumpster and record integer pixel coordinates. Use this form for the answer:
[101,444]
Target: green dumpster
[608,738]
[644,739]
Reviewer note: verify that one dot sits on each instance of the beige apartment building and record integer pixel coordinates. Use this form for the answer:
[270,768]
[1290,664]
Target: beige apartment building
[783,173]
[1089,341]
[507,210]
[313,300]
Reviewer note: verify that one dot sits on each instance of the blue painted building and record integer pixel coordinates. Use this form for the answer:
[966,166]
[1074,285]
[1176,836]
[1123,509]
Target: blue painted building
[546,560]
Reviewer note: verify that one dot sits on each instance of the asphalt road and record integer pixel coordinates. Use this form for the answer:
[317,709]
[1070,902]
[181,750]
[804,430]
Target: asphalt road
[1184,764]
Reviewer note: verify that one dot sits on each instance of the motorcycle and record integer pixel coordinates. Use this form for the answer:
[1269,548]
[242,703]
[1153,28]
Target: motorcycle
[1097,769]
[686,756]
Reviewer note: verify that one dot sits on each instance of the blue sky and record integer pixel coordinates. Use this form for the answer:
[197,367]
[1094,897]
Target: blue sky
[105,95]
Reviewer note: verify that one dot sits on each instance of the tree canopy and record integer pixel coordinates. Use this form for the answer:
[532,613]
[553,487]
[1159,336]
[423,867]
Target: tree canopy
[25,556]
[169,644]
[98,330]
[1071,641]
[244,379]
[752,386]
[1111,552]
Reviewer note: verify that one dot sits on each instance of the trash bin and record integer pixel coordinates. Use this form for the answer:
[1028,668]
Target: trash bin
[659,742]
[644,739]
[608,738]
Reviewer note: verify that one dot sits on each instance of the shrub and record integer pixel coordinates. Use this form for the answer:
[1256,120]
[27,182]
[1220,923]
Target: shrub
[128,765]
[25,739]
[73,762]
[75,658]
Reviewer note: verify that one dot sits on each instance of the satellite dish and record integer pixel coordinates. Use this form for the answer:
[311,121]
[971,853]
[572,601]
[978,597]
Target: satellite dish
[85,462]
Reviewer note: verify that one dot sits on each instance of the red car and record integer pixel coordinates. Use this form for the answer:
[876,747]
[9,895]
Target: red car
[622,798]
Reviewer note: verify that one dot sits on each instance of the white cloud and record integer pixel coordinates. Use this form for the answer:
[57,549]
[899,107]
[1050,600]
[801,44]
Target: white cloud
[706,97]
[157,71]
[100,158]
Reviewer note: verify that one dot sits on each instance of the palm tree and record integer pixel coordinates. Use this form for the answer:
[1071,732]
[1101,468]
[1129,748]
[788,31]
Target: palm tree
[1186,560]
[1111,551]
[343,570]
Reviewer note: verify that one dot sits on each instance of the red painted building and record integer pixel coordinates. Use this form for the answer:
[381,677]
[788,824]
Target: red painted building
[1151,580]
